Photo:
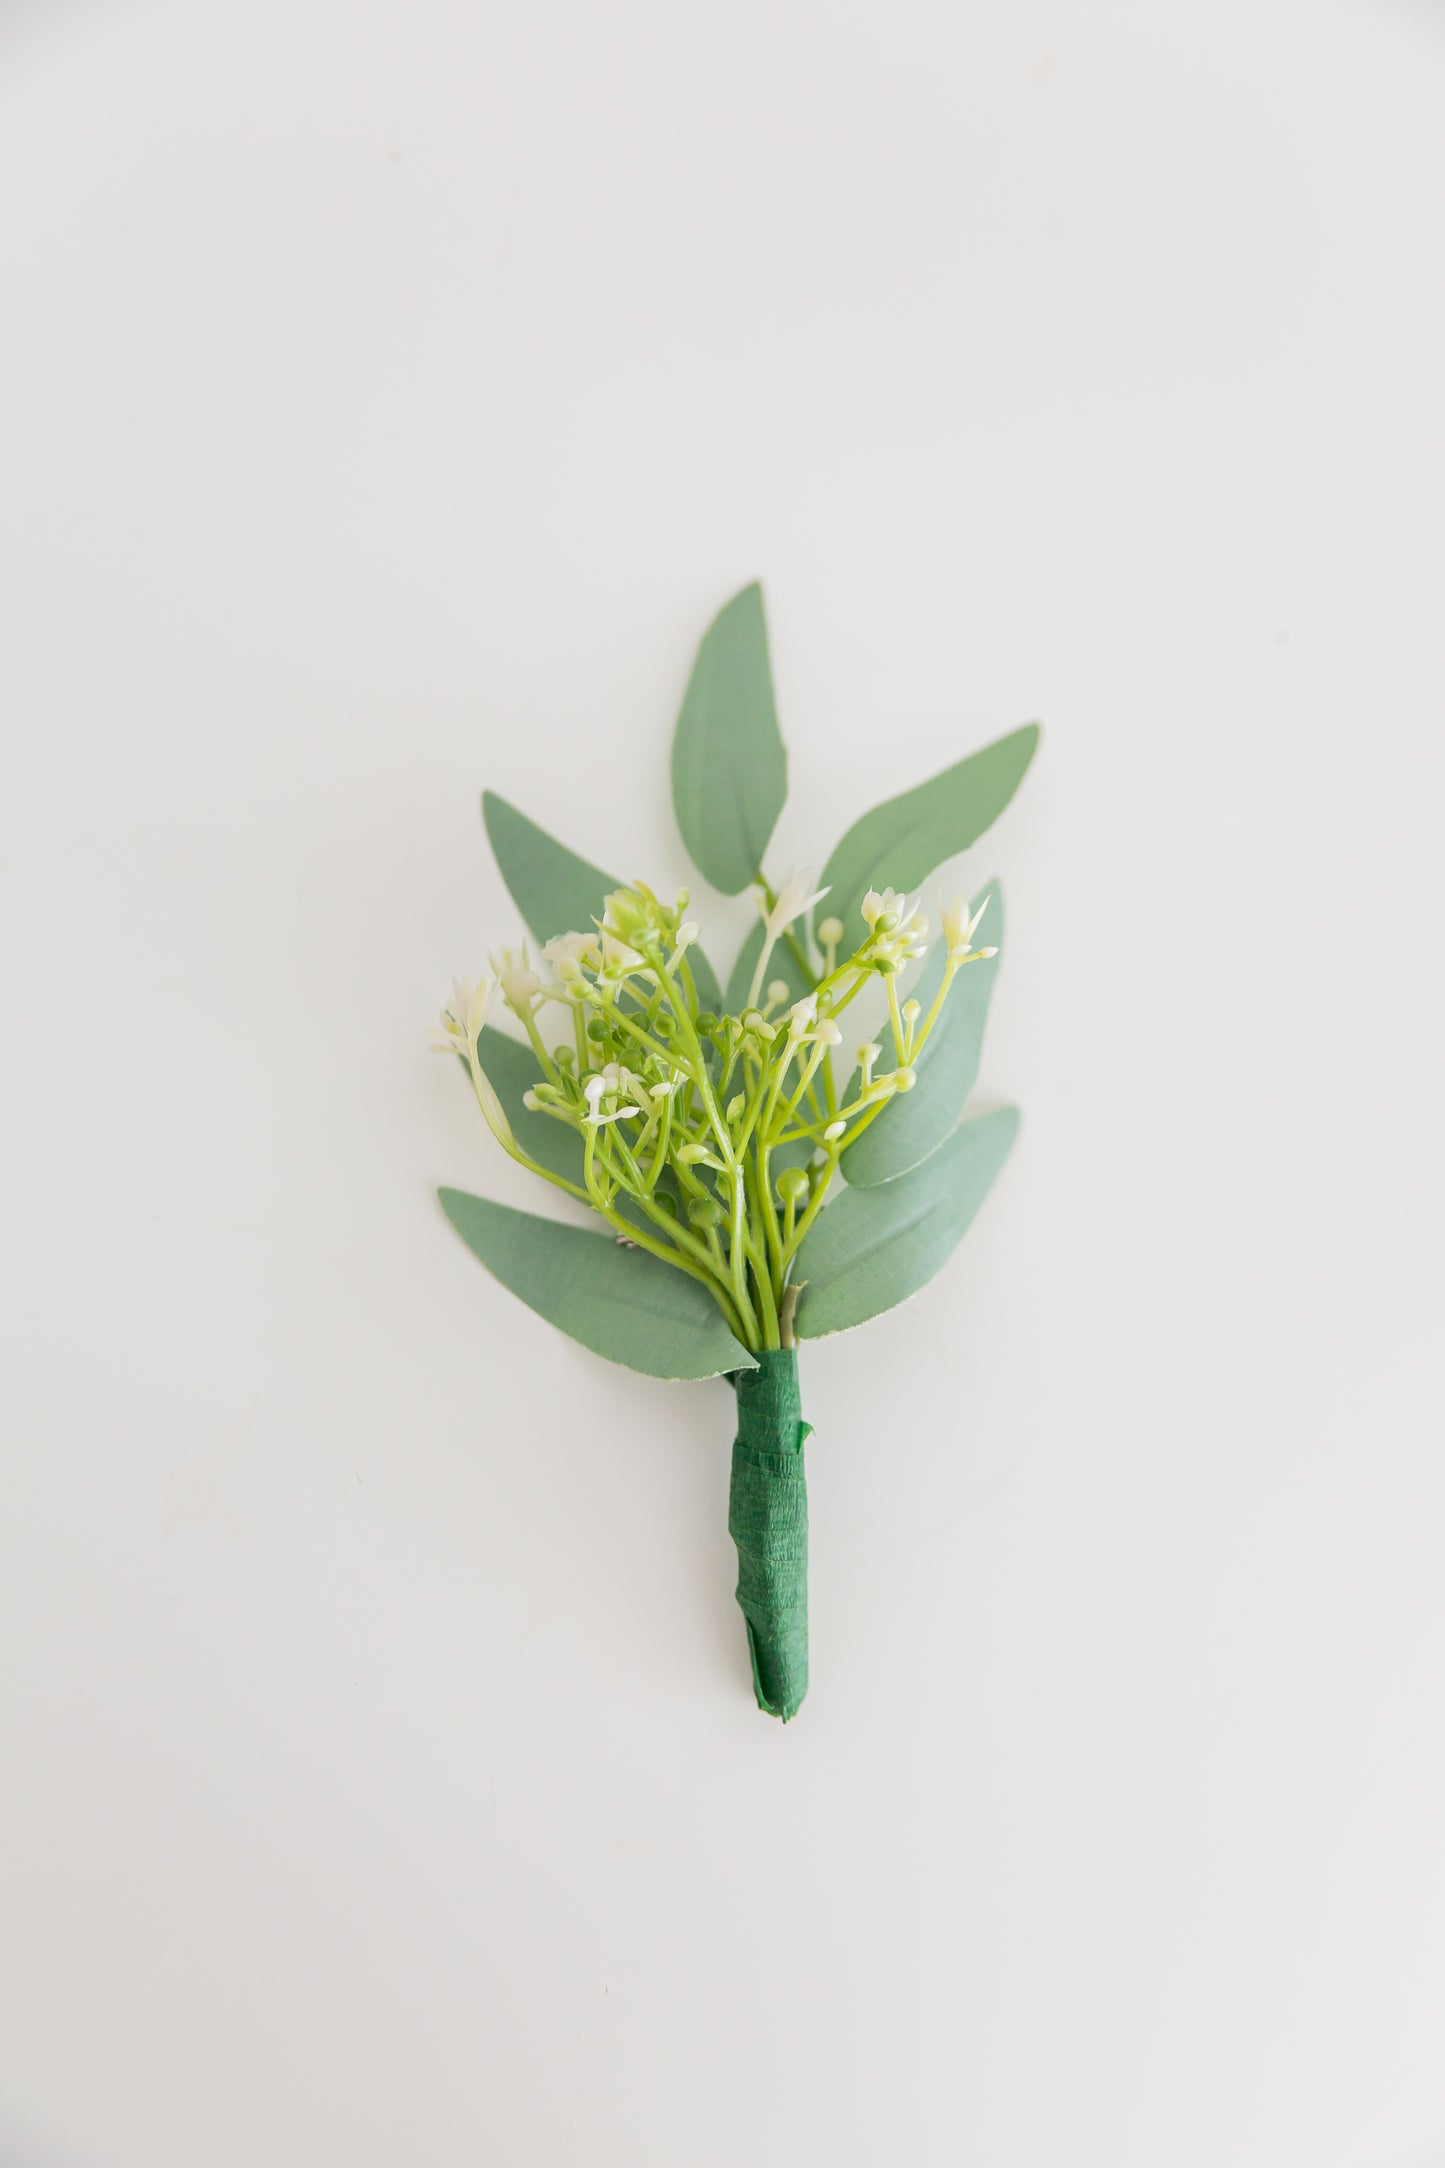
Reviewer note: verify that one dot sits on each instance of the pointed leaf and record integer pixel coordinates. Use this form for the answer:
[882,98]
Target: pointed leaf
[555,890]
[729,767]
[558,892]
[619,1302]
[900,842]
[872,1248]
[918,1122]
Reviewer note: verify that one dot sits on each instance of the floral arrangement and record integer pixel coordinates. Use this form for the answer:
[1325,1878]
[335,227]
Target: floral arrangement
[755,1179]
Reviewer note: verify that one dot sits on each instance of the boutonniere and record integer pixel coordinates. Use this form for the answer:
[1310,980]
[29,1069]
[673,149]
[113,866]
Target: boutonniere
[765,1161]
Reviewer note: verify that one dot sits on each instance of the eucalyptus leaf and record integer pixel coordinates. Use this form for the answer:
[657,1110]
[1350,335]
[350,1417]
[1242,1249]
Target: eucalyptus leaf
[620,1302]
[555,890]
[870,1249]
[899,843]
[558,892]
[729,766]
[916,1123]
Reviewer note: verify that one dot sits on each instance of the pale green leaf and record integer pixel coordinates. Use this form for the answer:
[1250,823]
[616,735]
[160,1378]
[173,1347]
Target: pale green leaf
[620,1302]
[918,1122]
[729,767]
[870,1249]
[900,842]
[558,892]
[555,890]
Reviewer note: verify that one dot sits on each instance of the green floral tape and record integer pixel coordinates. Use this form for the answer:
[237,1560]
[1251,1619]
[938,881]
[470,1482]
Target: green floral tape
[768,1521]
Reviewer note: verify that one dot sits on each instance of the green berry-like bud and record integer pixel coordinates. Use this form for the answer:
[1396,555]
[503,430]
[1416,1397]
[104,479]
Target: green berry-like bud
[704,1211]
[904,1079]
[792,1185]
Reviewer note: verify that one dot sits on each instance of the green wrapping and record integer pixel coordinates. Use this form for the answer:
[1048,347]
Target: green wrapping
[768,1521]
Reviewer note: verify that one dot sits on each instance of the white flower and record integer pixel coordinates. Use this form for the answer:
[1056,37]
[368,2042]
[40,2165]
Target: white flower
[617,958]
[827,1033]
[794,897]
[568,952]
[594,1091]
[958,928]
[519,982]
[885,903]
[464,1016]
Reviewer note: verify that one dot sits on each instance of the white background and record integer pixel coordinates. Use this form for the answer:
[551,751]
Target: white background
[389,394]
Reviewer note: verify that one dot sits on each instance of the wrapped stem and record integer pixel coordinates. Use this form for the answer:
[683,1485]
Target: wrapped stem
[768,1521]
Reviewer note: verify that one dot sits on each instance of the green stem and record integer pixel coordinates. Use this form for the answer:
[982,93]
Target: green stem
[768,1521]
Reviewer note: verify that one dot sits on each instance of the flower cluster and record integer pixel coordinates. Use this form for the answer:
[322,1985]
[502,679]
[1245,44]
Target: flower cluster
[709,1140]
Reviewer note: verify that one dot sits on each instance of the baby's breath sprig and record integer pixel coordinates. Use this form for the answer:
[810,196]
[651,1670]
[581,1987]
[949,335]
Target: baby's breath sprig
[682,1113]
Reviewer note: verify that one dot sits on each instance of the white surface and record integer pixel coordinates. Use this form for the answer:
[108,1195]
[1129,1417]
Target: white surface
[389,395]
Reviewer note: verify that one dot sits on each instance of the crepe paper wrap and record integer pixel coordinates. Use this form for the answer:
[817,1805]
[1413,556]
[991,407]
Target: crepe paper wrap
[768,1521]
[748,1184]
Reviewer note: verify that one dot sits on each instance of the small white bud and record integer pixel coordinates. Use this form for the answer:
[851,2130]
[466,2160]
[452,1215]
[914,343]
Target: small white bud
[833,1132]
[830,932]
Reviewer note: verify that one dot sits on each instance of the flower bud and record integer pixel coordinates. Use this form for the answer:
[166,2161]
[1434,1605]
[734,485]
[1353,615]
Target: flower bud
[792,1185]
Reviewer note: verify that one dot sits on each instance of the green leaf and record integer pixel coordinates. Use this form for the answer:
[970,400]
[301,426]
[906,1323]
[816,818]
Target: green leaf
[558,892]
[900,842]
[555,890]
[782,964]
[620,1302]
[870,1249]
[918,1122]
[729,767]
